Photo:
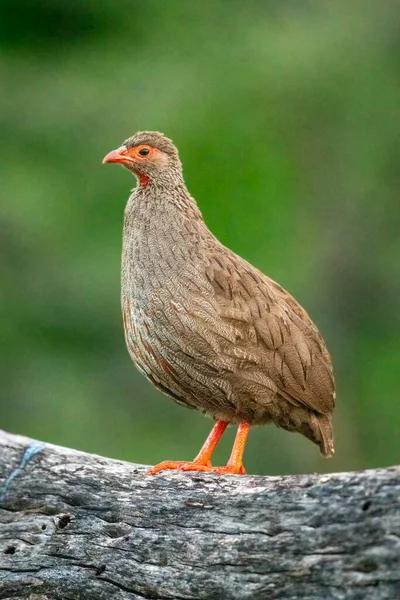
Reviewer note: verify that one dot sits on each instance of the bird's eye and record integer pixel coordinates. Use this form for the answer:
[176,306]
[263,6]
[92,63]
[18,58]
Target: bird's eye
[144,152]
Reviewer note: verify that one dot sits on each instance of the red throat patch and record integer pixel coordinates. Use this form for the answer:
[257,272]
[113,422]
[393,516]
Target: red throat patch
[144,180]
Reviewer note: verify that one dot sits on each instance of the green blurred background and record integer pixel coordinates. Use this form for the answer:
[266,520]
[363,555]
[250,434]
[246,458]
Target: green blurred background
[287,118]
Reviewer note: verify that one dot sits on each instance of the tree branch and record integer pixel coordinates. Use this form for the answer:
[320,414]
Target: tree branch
[75,525]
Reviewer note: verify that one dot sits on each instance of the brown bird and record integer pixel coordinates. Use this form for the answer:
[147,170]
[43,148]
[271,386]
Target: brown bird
[205,326]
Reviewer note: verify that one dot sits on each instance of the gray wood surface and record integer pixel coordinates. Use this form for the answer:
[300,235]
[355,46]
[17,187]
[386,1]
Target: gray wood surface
[78,526]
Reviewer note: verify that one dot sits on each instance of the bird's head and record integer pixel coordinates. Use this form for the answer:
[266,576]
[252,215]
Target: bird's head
[149,155]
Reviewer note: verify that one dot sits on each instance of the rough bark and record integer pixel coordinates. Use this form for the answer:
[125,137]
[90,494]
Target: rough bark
[79,526]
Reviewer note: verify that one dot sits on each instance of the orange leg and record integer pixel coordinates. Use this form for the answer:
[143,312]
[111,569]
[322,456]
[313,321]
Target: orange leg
[235,464]
[202,462]
[207,450]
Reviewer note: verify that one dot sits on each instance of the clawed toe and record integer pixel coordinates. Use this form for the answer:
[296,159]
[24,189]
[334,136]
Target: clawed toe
[172,465]
[230,470]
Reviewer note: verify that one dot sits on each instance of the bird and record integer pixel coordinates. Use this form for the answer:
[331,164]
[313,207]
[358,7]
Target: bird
[205,326]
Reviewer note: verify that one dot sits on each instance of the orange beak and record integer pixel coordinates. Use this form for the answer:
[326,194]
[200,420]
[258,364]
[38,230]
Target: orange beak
[120,155]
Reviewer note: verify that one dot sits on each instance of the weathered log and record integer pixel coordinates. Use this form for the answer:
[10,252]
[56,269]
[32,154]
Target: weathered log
[79,526]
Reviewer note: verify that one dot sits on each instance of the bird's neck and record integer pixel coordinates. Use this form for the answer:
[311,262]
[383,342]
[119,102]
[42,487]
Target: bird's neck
[164,232]
[152,206]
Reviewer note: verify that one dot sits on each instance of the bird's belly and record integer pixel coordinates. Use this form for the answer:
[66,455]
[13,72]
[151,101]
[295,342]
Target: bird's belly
[153,357]
[171,365]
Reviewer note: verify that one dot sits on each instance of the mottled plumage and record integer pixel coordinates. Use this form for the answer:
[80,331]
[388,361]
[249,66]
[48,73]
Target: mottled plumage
[205,326]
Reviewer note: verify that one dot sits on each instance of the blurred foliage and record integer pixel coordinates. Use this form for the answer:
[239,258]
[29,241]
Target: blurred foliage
[287,119]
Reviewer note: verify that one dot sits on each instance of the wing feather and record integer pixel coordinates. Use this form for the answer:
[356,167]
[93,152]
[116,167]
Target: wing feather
[277,337]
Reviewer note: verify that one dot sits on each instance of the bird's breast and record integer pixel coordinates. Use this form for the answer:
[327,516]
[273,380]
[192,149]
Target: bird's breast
[163,276]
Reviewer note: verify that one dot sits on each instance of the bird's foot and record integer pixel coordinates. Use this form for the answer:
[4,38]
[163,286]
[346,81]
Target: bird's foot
[229,470]
[196,466]
[179,465]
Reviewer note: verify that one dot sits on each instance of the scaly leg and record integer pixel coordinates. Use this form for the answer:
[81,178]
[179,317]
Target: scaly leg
[235,464]
[202,462]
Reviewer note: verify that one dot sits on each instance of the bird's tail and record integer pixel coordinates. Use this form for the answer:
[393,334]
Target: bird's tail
[322,427]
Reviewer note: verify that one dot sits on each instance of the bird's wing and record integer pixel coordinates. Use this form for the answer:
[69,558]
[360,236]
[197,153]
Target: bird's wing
[274,334]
